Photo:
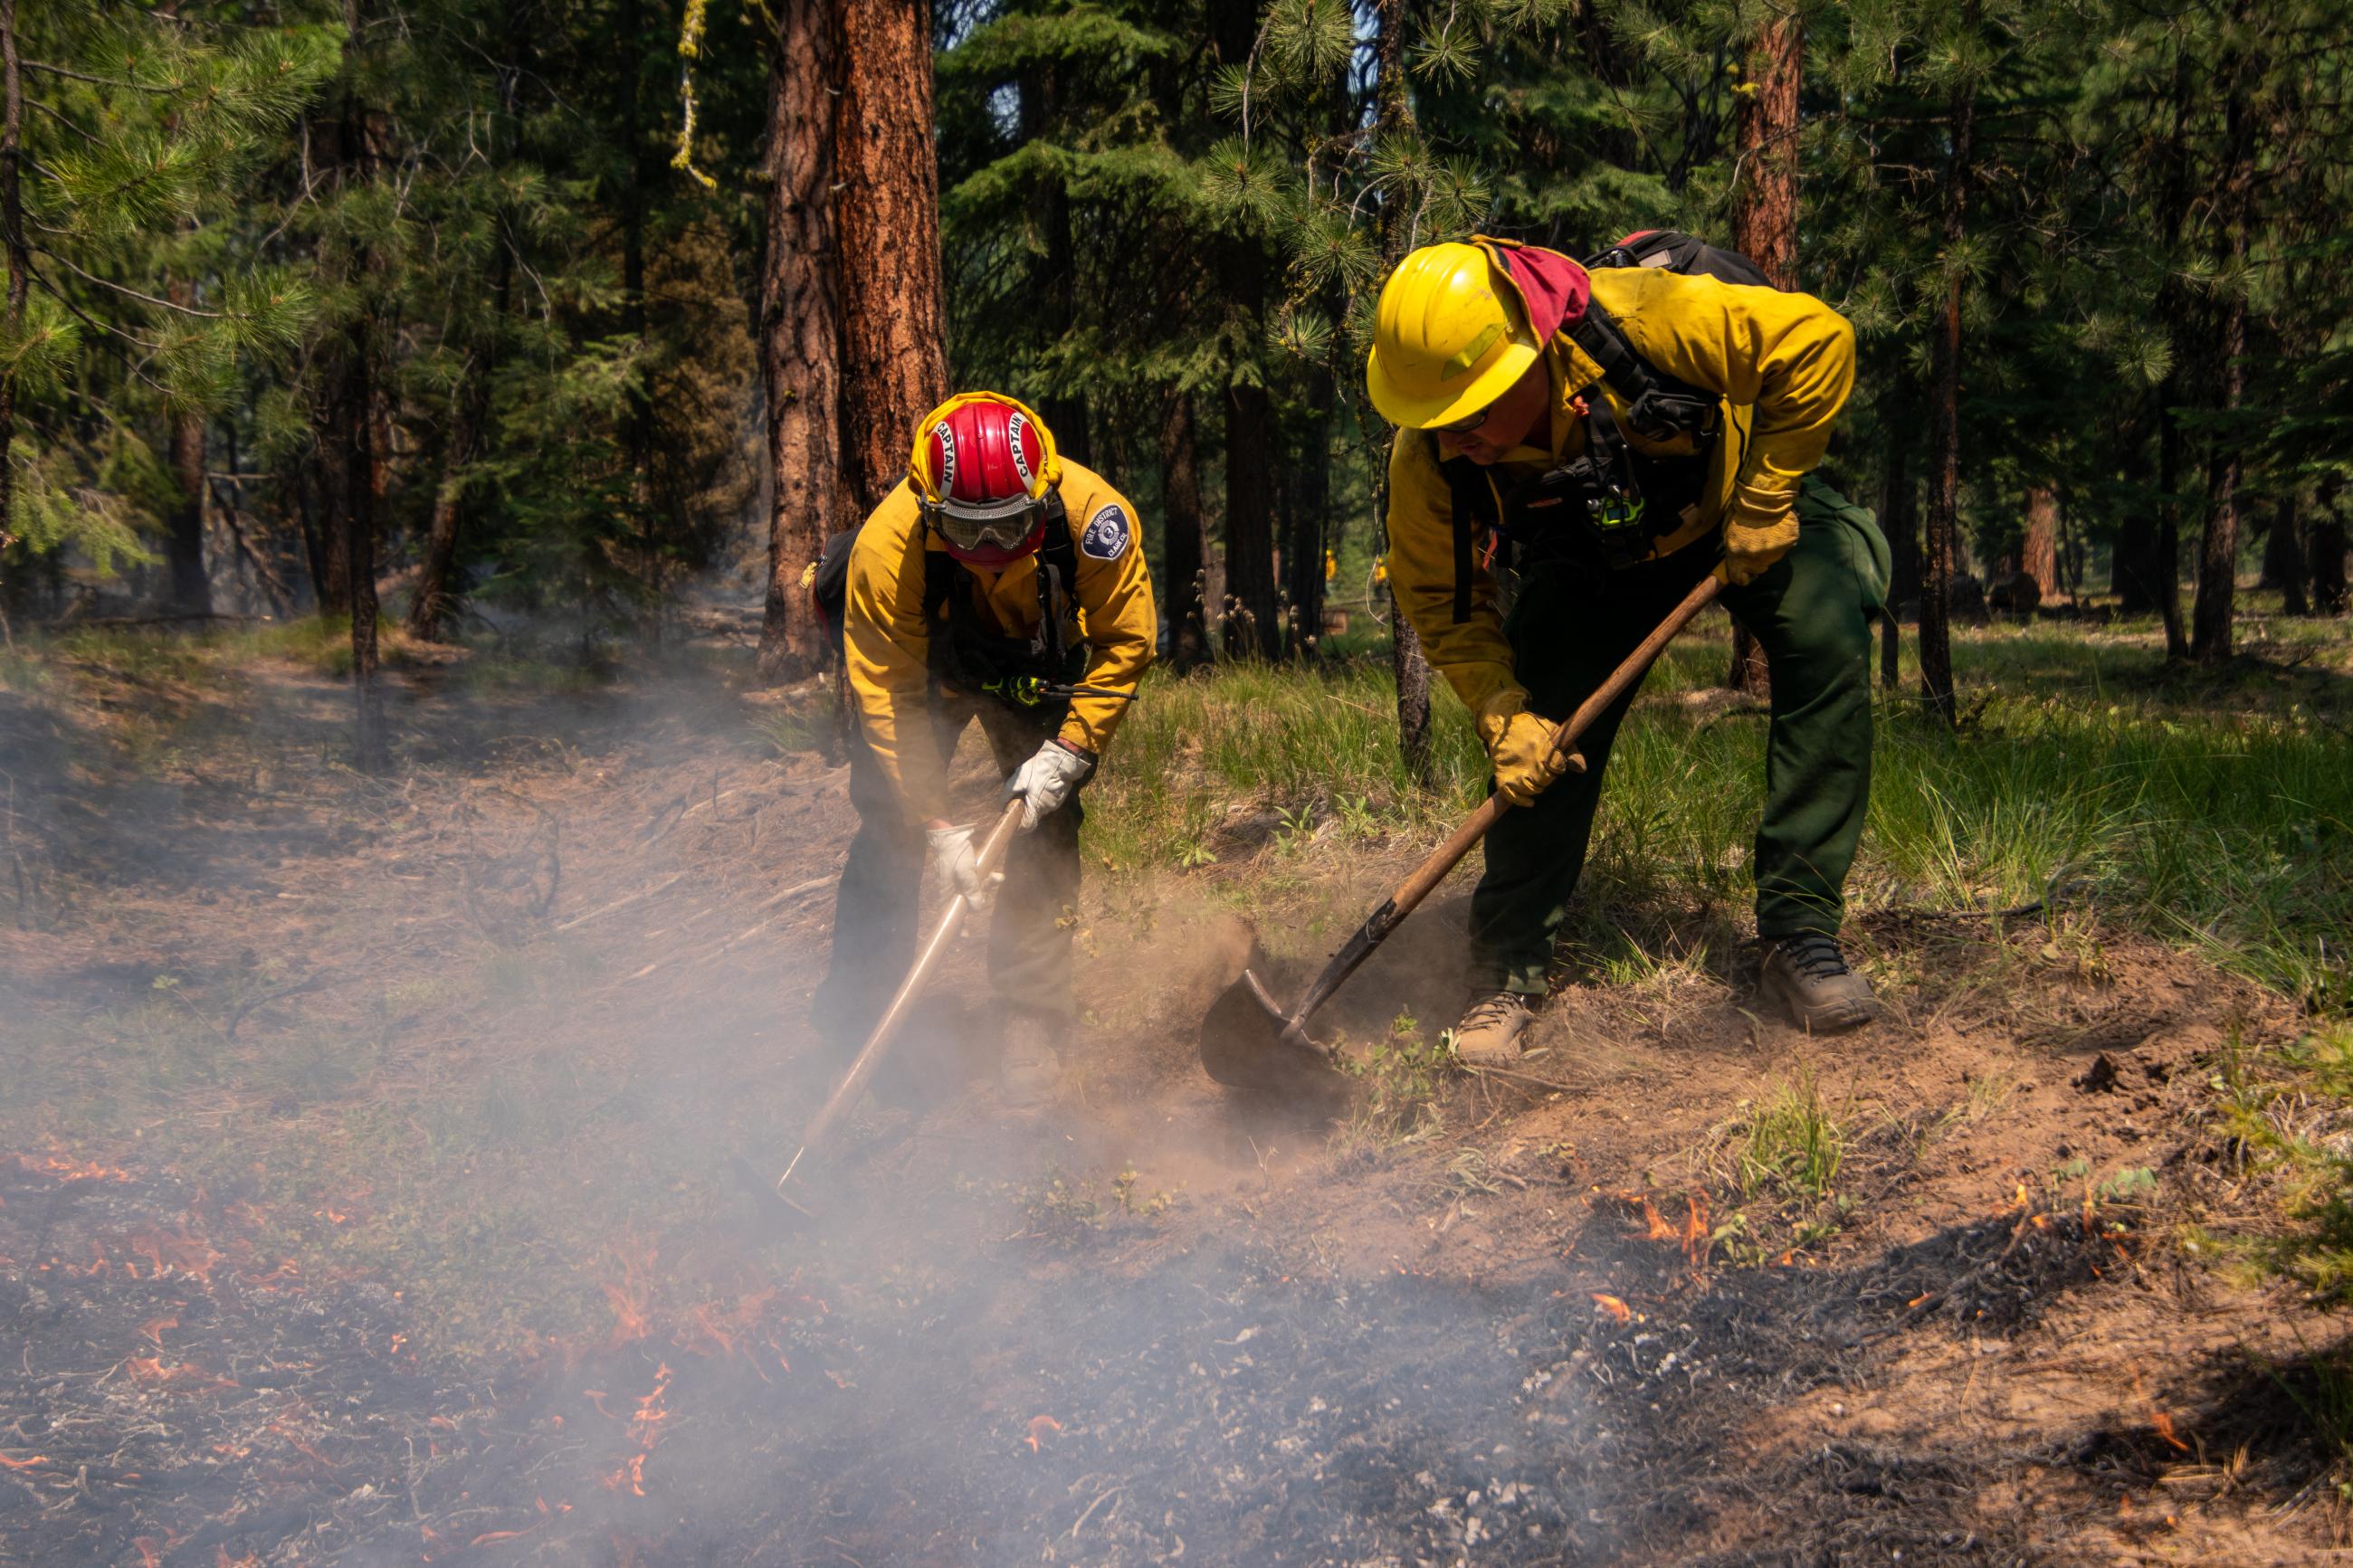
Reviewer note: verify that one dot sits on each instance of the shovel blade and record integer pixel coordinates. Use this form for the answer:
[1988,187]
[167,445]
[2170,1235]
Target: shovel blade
[1246,1045]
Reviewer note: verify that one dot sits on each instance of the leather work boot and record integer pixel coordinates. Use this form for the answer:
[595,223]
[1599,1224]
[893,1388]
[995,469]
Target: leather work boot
[1032,1064]
[1488,1035]
[1808,975]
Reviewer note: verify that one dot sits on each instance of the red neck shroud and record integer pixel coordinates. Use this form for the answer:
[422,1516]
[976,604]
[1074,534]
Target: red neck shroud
[1554,289]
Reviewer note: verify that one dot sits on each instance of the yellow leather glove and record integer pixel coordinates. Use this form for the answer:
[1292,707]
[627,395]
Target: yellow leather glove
[1759,528]
[1519,745]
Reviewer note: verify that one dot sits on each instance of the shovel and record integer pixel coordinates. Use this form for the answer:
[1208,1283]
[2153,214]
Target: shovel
[1250,1041]
[878,1043]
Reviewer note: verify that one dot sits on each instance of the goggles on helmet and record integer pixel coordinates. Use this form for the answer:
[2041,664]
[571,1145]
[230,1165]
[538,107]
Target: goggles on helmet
[1008,525]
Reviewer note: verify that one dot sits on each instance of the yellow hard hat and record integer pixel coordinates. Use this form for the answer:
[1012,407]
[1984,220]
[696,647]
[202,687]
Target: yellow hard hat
[1449,338]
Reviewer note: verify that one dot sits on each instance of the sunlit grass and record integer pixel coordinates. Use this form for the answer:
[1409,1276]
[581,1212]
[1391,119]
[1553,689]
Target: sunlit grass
[2212,810]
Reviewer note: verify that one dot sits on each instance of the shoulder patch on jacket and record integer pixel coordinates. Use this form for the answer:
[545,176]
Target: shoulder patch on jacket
[1107,535]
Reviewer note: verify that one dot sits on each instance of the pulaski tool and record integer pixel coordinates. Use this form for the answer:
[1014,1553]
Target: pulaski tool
[1248,1040]
[878,1042]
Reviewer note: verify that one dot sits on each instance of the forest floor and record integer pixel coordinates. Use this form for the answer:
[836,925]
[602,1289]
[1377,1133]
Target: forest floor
[372,1191]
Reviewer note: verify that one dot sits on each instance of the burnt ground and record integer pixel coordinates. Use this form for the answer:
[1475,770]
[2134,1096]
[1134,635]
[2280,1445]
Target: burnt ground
[370,1195]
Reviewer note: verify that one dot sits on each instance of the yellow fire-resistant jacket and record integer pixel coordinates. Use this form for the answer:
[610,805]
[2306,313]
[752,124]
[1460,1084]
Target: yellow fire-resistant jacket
[889,645]
[1785,364]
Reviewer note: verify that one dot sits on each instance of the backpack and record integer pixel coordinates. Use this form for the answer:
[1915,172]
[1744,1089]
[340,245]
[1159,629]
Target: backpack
[1675,251]
[1615,500]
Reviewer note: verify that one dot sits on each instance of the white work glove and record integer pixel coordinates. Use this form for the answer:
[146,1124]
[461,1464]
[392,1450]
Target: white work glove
[1044,782]
[957,864]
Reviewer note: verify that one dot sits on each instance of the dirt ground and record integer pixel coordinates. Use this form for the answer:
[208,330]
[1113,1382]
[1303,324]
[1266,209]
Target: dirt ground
[376,1192]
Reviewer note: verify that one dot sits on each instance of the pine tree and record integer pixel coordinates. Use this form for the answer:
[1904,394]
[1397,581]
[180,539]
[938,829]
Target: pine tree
[120,129]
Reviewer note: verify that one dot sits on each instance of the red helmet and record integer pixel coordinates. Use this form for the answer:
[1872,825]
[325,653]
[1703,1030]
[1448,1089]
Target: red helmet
[982,466]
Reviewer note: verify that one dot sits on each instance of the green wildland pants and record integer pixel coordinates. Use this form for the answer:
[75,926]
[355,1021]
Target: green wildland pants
[1569,630]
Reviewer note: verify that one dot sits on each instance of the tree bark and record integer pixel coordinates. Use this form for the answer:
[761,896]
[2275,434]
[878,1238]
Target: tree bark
[1945,424]
[1898,519]
[429,605]
[2217,554]
[2283,566]
[2037,557]
[351,416]
[1053,275]
[799,338]
[1250,515]
[1311,504]
[887,222]
[1765,217]
[1393,115]
[1180,511]
[183,524]
[2163,571]
[20,259]
[2326,548]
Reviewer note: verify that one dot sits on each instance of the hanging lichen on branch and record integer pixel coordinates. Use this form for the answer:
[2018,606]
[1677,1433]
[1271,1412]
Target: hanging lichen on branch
[690,49]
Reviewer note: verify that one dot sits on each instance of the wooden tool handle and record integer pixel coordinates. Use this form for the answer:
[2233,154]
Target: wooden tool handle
[1447,855]
[877,1041]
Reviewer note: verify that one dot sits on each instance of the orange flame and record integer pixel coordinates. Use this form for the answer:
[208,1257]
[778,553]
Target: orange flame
[145,1545]
[2160,1421]
[154,1330]
[632,1298]
[1618,1311]
[189,1254]
[151,1369]
[70,1170]
[1040,1428]
[1694,1236]
[24,1463]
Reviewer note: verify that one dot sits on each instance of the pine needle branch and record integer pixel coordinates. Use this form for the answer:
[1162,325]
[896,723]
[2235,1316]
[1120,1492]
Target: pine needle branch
[97,81]
[122,289]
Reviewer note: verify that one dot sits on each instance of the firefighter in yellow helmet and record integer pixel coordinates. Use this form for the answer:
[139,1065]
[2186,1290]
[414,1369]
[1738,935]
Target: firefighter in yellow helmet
[1588,443]
[1002,583]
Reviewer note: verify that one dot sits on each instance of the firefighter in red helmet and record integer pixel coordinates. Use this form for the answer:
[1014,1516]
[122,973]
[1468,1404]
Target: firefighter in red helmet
[1002,583]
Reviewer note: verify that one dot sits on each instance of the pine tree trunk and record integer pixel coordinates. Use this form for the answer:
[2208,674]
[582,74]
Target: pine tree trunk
[1945,425]
[1180,513]
[2037,557]
[183,523]
[1765,217]
[1250,517]
[1393,114]
[20,258]
[1898,520]
[2326,546]
[1053,274]
[351,413]
[2217,554]
[799,338]
[2164,567]
[1765,209]
[887,223]
[1311,504]
[428,606]
[2283,557]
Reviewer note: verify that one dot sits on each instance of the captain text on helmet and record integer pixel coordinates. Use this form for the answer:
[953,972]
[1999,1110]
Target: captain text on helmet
[1000,582]
[1587,443]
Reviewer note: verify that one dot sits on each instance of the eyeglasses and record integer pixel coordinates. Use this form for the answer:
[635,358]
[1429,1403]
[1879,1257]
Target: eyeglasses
[1463,426]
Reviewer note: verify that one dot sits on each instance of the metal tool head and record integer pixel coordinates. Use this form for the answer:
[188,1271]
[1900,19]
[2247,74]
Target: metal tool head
[779,1209]
[1249,1042]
